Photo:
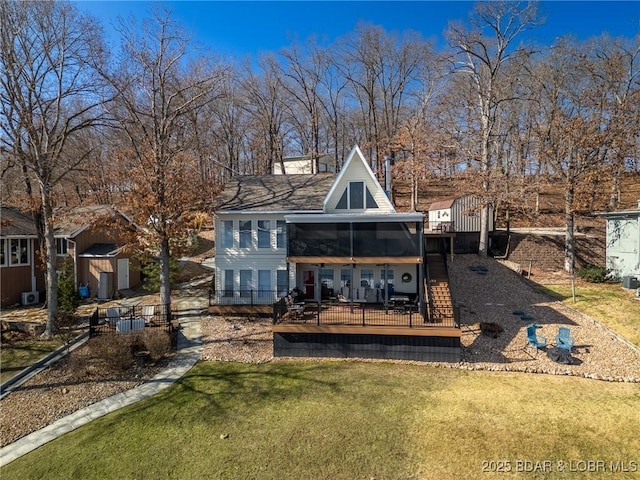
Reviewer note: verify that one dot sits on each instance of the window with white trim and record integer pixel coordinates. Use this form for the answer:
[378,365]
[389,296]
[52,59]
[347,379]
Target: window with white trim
[282,282]
[246,283]
[227,234]
[62,247]
[228,283]
[264,283]
[356,196]
[281,231]
[264,234]
[245,234]
[3,252]
[19,251]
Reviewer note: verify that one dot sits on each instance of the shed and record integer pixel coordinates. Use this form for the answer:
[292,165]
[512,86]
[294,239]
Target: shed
[623,242]
[457,214]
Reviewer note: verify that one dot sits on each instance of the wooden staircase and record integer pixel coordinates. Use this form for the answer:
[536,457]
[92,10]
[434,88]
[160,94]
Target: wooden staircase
[440,304]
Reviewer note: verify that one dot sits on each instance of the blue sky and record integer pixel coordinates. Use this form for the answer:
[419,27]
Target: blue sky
[241,28]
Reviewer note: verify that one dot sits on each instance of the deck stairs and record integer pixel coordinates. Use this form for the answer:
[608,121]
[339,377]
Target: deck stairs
[440,304]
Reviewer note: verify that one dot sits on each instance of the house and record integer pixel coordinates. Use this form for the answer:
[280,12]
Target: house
[304,165]
[21,269]
[95,238]
[339,241]
[623,243]
[91,236]
[460,217]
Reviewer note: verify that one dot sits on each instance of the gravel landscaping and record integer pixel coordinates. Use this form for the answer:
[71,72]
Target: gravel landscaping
[490,296]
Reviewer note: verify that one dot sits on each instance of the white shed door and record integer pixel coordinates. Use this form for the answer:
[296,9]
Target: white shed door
[123,273]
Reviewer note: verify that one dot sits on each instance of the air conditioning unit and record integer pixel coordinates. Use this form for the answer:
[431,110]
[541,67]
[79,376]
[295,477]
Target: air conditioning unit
[30,298]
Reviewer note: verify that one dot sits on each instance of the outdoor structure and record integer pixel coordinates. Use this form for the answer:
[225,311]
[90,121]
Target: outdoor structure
[460,218]
[92,237]
[304,165]
[338,243]
[623,243]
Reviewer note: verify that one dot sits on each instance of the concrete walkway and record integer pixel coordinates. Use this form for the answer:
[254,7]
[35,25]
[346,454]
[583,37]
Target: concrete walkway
[189,352]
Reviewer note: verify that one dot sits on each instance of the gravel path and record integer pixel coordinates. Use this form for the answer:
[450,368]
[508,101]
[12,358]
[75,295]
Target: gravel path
[491,297]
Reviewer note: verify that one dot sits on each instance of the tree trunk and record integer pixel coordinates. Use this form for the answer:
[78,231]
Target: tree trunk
[569,243]
[165,272]
[50,248]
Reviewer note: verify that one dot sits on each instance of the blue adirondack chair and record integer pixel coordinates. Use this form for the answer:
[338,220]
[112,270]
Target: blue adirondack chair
[533,339]
[564,338]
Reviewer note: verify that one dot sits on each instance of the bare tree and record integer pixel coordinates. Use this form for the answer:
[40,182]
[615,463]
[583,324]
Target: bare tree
[482,58]
[158,86]
[49,56]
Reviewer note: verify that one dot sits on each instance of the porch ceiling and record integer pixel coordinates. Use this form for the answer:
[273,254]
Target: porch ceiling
[356,260]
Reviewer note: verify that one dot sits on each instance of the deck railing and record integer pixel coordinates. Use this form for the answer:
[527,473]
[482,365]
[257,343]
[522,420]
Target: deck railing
[440,227]
[408,315]
[243,297]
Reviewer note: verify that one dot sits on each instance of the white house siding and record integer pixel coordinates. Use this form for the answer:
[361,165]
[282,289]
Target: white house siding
[358,173]
[252,258]
[464,213]
[623,246]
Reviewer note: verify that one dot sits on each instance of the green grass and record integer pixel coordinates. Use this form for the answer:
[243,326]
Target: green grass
[350,420]
[609,303]
[18,355]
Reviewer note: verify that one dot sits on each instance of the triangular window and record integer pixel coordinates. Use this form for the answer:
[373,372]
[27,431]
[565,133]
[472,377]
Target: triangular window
[342,203]
[371,202]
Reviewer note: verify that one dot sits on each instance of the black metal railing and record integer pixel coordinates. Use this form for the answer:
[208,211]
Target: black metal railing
[441,227]
[129,319]
[243,297]
[398,314]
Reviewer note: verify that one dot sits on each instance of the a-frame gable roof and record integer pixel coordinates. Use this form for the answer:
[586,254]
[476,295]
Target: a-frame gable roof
[357,169]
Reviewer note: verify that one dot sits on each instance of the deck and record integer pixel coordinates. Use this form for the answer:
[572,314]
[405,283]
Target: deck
[365,331]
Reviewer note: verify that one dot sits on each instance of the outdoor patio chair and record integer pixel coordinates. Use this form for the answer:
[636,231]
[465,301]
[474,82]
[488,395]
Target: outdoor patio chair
[533,339]
[148,313]
[564,339]
[297,309]
[113,315]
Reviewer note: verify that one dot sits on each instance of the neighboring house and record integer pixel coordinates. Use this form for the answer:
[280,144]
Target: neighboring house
[623,242]
[459,216]
[94,237]
[333,238]
[91,236]
[21,269]
[304,165]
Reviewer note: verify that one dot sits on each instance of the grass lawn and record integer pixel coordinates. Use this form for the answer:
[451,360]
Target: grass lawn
[609,303]
[18,355]
[353,420]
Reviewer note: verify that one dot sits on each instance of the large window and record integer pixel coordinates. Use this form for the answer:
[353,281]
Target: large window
[61,247]
[355,197]
[19,251]
[264,234]
[245,234]
[3,252]
[228,283]
[264,283]
[246,283]
[227,234]
[282,280]
[366,277]
[281,230]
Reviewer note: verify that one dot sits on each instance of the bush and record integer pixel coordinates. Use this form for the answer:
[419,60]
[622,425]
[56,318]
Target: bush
[592,274]
[157,343]
[114,351]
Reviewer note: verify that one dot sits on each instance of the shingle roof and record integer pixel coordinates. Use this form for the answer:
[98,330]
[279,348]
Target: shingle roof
[14,223]
[443,203]
[100,250]
[275,192]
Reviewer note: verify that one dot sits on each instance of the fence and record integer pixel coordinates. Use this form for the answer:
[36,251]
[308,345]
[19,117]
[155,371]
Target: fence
[126,319]
[243,297]
[362,314]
